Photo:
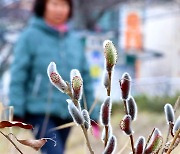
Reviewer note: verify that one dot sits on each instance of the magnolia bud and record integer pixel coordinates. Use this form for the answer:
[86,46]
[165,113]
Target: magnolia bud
[125,124]
[176,125]
[105,112]
[55,78]
[169,112]
[125,85]
[75,113]
[87,122]
[110,53]
[140,145]
[76,83]
[132,108]
[111,145]
[155,142]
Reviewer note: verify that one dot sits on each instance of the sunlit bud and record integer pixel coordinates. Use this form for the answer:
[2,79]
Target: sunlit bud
[155,142]
[140,145]
[105,112]
[125,124]
[76,83]
[75,113]
[55,78]
[110,54]
[125,85]
[111,145]
[132,108]
[87,122]
[169,112]
[176,125]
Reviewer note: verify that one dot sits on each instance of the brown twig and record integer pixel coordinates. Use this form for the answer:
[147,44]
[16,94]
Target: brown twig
[132,143]
[125,107]
[7,137]
[76,103]
[87,139]
[149,138]
[176,104]
[108,93]
[167,138]
[171,124]
[124,147]
[93,105]
[67,125]
[109,86]
[106,135]
[172,143]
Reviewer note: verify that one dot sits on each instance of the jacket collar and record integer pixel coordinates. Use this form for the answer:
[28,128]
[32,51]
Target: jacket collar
[41,24]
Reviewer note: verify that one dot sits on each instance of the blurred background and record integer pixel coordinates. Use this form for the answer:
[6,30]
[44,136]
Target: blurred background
[145,32]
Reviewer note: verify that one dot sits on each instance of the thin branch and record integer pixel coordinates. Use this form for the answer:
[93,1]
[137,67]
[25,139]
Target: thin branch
[125,107]
[47,114]
[149,138]
[124,147]
[109,86]
[171,124]
[7,137]
[132,143]
[84,100]
[106,135]
[172,143]
[87,139]
[93,105]
[167,138]
[108,93]
[71,124]
[176,105]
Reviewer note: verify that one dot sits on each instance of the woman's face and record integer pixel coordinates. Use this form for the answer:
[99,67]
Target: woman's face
[56,12]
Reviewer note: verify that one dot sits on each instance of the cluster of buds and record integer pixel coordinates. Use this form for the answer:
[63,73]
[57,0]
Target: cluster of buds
[74,91]
[110,54]
[81,117]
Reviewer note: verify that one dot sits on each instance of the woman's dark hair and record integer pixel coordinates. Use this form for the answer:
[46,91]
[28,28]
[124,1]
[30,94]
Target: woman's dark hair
[40,5]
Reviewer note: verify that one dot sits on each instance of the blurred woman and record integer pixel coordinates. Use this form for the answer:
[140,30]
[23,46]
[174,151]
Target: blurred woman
[48,37]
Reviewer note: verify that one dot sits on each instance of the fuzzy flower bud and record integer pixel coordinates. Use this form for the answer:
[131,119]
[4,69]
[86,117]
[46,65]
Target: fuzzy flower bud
[87,122]
[125,84]
[105,112]
[111,145]
[55,78]
[76,83]
[155,142]
[176,126]
[125,124]
[106,80]
[169,112]
[75,113]
[132,108]
[140,145]
[110,54]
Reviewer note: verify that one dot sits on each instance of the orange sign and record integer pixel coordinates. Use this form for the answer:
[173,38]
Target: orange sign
[133,35]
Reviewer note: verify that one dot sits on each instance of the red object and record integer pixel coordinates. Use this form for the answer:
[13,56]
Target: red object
[95,129]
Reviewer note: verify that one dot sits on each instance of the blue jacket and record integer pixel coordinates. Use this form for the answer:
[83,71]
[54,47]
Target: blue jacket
[30,89]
